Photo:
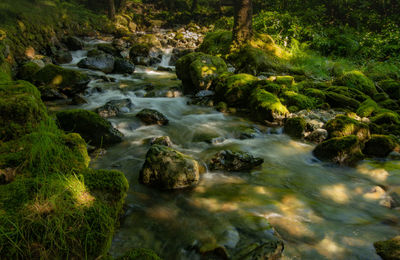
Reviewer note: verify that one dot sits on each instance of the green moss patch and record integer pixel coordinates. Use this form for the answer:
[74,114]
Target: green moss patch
[357,80]
[343,126]
[267,106]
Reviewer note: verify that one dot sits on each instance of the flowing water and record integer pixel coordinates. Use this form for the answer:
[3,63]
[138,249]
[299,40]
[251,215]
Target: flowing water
[320,211]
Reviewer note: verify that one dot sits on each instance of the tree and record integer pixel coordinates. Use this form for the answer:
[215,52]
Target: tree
[242,30]
[111,9]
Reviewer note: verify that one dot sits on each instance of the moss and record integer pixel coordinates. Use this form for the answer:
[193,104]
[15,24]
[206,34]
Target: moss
[341,150]
[295,127]
[69,81]
[391,87]
[255,61]
[140,254]
[389,104]
[367,108]
[198,70]
[357,80]
[378,97]
[336,100]
[349,92]
[386,118]
[389,249]
[218,42]
[139,49]
[268,86]
[285,80]
[379,146]
[21,109]
[92,127]
[94,52]
[343,126]
[317,94]
[222,107]
[235,89]
[27,71]
[291,98]
[4,77]
[266,106]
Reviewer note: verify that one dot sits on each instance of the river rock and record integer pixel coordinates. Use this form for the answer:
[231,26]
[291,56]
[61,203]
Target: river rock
[122,66]
[317,136]
[341,150]
[343,125]
[389,249]
[78,100]
[379,146]
[73,43]
[295,127]
[115,107]
[167,169]
[152,117]
[162,140]
[67,81]
[234,161]
[103,62]
[94,129]
[62,57]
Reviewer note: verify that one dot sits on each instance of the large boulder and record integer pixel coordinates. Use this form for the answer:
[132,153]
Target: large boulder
[167,169]
[295,127]
[357,80]
[234,161]
[389,249]
[93,128]
[341,150]
[152,117]
[267,106]
[234,89]
[103,62]
[67,81]
[343,125]
[336,100]
[115,107]
[198,70]
[379,146]
[122,66]
[73,43]
[28,70]
[21,109]
[62,57]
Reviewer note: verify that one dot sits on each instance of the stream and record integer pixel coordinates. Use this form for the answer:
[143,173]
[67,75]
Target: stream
[320,211]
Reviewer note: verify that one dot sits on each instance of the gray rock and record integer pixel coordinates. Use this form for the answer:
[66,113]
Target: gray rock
[152,117]
[122,66]
[115,107]
[73,43]
[317,136]
[234,161]
[162,140]
[104,63]
[167,169]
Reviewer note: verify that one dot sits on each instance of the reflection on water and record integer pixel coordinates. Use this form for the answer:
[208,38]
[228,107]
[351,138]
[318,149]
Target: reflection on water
[320,211]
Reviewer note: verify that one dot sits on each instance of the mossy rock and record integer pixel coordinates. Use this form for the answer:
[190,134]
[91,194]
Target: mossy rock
[389,104]
[69,216]
[268,86]
[256,61]
[341,150]
[389,249]
[150,40]
[139,50]
[267,106]
[349,92]
[93,128]
[109,49]
[21,109]
[357,80]
[317,94]
[198,70]
[386,118]
[391,87]
[4,77]
[336,100]
[379,146]
[235,89]
[295,127]
[378,97]
[367,108]
[66,80]
[28,70]
[293,99]
[343,125]
[94,52]
[167,169]
[140,254]
[218,42]
[285,80]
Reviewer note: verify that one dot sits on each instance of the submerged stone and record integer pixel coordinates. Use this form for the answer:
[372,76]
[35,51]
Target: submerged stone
[234,161]
[167,169]
[152,117]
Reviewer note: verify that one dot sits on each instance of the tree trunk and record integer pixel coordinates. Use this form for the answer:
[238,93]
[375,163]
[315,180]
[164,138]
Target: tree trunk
[242,30]
[111,9]
[194,6]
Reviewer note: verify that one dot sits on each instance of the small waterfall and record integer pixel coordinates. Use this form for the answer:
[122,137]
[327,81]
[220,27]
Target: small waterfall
[166,58]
